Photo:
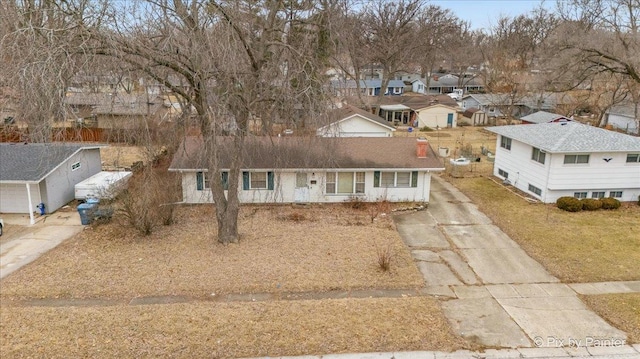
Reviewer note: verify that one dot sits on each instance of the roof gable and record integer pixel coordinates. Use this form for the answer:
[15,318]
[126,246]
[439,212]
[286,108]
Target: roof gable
[569,137]
[32,162]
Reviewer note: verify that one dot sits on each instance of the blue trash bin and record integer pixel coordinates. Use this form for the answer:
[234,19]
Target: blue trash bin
[85,210]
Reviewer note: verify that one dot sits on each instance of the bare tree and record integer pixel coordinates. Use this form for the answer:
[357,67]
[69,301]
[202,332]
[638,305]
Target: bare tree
[391,34]
[243,61]
[41,47]
[602,36]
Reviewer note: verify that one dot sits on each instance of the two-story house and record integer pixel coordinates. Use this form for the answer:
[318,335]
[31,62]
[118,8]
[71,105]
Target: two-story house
[551,160]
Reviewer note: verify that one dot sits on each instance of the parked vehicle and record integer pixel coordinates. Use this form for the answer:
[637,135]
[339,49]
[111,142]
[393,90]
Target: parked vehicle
[460,161]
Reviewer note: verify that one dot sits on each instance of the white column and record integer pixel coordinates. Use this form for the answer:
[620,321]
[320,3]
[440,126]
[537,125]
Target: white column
[31,219]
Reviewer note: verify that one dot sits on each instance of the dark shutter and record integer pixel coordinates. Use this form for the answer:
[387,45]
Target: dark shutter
[414,179]
[245,180]
[225,180]
[376,178]
[199,181]
[270,180]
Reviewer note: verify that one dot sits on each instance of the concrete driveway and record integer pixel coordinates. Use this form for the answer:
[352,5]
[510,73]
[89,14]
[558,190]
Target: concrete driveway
[23,243]
[493,293]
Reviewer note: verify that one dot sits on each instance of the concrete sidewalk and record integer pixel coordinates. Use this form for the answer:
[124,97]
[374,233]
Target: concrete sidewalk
[493,293]
[30,241]
[619,352]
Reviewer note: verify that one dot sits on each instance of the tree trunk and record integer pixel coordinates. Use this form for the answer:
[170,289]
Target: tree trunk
[227,217]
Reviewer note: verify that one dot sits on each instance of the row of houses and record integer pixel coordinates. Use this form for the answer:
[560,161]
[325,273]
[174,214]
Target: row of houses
[436,84]
[546,161]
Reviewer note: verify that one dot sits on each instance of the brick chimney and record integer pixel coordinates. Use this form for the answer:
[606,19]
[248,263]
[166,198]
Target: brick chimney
[422,146]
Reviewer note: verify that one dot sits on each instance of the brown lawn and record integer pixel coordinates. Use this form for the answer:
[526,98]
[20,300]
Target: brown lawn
[576,247]
[621,310]
[226,330]
[282,249]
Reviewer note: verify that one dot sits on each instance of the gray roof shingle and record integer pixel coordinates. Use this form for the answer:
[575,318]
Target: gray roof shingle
[31,162]
[569,137]
[542,117]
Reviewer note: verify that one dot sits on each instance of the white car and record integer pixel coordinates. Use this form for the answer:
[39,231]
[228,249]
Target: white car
[1,226]
[461,161]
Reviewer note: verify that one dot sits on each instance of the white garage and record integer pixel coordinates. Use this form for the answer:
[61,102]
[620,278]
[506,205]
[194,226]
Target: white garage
[46,173]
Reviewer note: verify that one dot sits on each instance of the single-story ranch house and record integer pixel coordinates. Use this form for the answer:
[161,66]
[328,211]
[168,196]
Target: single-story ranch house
[36,173]
[551,160]
[350,121]
[315,169]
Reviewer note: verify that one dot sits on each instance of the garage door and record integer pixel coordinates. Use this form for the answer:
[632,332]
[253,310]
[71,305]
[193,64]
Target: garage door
[13,198]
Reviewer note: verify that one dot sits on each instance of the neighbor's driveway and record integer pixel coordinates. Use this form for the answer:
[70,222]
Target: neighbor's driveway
[26,243]
[496,295]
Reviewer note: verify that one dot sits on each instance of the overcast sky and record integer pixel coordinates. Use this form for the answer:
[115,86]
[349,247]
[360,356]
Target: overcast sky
[484,13]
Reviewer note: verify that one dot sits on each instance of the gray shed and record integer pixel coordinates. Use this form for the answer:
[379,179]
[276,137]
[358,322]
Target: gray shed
[33,173]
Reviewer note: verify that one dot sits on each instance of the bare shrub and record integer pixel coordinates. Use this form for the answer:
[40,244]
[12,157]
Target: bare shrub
[148,202]
[377,208]
[355,202]
[296,217]
[384,255]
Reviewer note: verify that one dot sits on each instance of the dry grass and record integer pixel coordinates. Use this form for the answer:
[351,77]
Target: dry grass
[576,247]
[282,249]
[455,139]
[324,248]
[621,310]
[120,156]
[226,330]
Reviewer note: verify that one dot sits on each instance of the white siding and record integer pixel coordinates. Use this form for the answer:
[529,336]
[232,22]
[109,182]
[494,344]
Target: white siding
[60,184]
[284,187]
[13,197]
[557,179]
[355,126]
[521,168]
[436,116]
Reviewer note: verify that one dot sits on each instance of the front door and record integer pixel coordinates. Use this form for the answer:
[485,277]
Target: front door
[450,120]
[301,192]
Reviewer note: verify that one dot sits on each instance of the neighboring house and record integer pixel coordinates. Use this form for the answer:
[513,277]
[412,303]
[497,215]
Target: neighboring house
[444,84]
[109,111]
[551,160]
[36,173]
[407,110]
[343,88]
[499,105]
[350,121]
[315,169]
[625,117]
[437,116]
[543,117]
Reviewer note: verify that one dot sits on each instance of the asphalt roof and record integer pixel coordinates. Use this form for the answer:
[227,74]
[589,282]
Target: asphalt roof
[311,153]
[347,111]
[419,102]
[31,162]
[541,117]
[569,137]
